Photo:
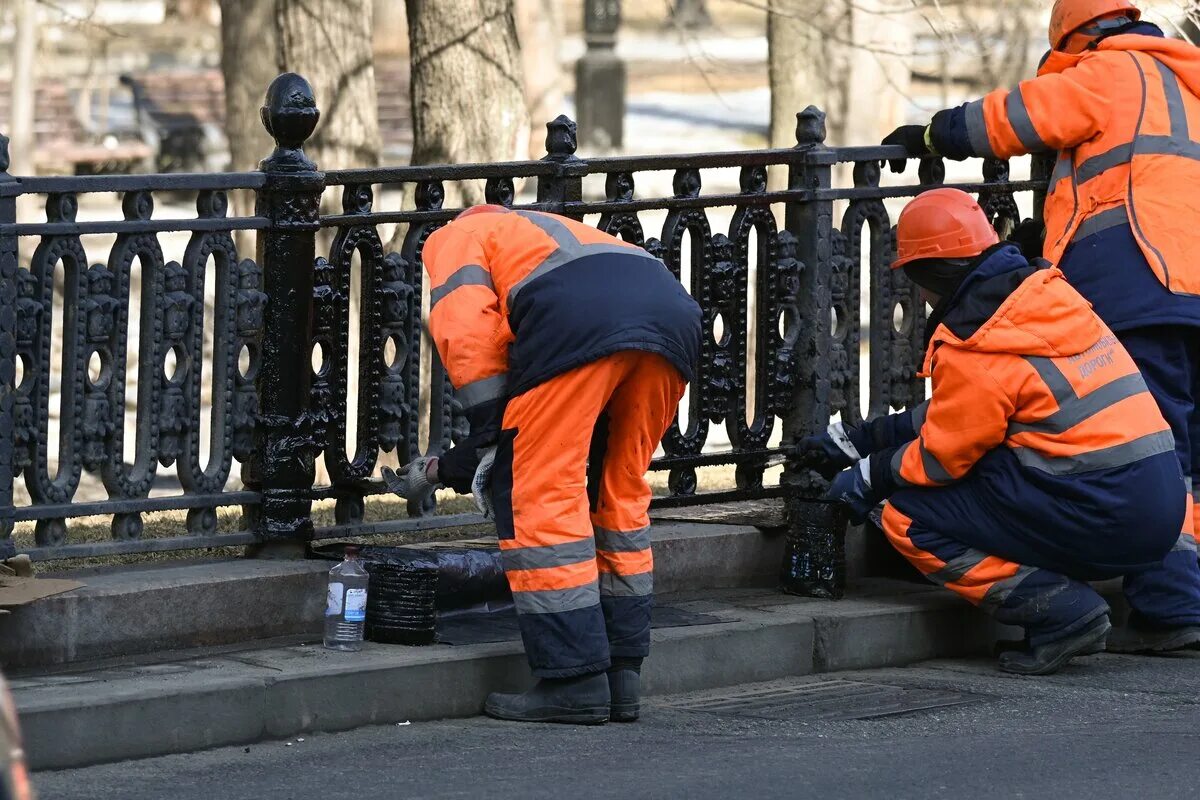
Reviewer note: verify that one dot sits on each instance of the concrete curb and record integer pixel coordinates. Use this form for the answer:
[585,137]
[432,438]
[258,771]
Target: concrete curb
[79,718]
[127,611]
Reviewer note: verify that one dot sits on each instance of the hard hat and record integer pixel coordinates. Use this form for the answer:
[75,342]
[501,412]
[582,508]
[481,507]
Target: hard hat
[1069,16]
[485,208]
[942,223]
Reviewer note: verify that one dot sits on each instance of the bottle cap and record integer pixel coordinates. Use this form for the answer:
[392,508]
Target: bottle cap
[351,550]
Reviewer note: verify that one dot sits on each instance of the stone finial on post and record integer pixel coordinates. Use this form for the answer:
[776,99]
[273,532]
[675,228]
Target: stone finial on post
[9,188]
[290,199]
[600,77]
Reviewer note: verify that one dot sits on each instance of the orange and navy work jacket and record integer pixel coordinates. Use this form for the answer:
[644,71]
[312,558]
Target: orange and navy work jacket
[518,297]
[1021,361]
[1124,119]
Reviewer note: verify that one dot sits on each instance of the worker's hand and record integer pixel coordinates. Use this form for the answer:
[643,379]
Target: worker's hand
[852,488]
[830,452]
[481,485]
[416,481]
[912,139]
[1028,236]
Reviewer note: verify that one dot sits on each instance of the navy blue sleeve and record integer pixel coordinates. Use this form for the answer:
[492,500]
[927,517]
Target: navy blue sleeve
[883,482]
[456,467]
[948,134]
[883,432]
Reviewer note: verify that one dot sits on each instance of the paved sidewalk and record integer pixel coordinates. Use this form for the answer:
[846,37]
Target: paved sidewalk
[1108,727]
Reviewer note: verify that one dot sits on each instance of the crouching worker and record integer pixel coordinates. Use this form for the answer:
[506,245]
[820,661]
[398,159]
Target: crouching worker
[1040,461]
[569,350]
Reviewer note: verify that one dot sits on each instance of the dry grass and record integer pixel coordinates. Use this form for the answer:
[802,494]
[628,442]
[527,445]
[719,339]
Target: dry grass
[170,524]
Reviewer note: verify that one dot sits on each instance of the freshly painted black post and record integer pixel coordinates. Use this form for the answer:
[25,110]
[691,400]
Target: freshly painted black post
[8,347]
[814,561]
[291,201]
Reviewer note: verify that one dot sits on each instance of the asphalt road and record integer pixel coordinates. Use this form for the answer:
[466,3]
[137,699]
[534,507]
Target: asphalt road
[1110,727]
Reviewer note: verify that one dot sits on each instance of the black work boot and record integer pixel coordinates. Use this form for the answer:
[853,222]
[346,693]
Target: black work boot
[581,701]
[1140,635]
[624,684]
[1048,658]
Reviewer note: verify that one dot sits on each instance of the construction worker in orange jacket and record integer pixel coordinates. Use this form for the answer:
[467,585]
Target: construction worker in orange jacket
[570,351]
[1039,461]
[1120,104]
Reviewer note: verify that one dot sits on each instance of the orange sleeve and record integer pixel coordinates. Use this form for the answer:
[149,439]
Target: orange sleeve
[1055,111]
[967,416]
[464,315]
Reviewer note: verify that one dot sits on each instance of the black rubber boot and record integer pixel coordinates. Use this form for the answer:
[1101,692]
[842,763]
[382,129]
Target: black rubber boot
[1142,637]
[578,701]
[624,685]
[1048,658]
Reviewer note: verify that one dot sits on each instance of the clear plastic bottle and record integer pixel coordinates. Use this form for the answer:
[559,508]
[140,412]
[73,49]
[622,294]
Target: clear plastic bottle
[346,603]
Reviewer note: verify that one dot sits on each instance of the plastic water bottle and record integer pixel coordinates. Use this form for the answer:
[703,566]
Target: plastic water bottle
[346,603]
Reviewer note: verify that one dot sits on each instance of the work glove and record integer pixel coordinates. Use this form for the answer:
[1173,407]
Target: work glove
[830,452]
[852,489]
[1028,236]
[416,481]
[481,485]
[912,139]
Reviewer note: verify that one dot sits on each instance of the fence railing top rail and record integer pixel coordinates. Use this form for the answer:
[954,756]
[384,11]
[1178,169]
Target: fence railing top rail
[155,182]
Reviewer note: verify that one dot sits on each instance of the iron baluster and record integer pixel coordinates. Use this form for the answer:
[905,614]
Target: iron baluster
[9,326]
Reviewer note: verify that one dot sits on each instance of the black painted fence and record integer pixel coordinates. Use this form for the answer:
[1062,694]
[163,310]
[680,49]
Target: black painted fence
[795,289]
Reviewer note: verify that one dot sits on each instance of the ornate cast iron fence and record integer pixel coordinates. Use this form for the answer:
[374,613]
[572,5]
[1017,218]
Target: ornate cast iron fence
[781,303]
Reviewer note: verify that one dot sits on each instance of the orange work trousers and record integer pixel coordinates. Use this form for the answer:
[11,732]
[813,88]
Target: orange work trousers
[572,502]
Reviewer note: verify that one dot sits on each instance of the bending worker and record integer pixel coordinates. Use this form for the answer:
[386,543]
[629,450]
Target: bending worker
[1040,459]
[1121,105]
[570,351]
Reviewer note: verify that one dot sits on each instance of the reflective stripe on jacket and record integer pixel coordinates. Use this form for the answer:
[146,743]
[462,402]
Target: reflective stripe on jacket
[520,296]
[1125,120]
[1021,360]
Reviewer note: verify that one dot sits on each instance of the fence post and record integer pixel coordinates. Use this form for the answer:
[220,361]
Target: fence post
[566,184]
[290,200]
[9,187]
[814,561]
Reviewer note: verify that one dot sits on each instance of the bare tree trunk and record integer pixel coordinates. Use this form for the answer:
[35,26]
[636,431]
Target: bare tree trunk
[468,100]
[24,88]
[249,62]
[540,31]
[809,64]
[329,43]
[882,71]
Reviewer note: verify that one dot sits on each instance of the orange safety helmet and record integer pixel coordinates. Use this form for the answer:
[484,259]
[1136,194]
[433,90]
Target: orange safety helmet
[485,208]
[1069,16]
[942,223]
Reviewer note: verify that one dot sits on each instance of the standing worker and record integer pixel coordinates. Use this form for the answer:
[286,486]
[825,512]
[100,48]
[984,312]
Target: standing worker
[1121,105]
[1039,461]
[570,351]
